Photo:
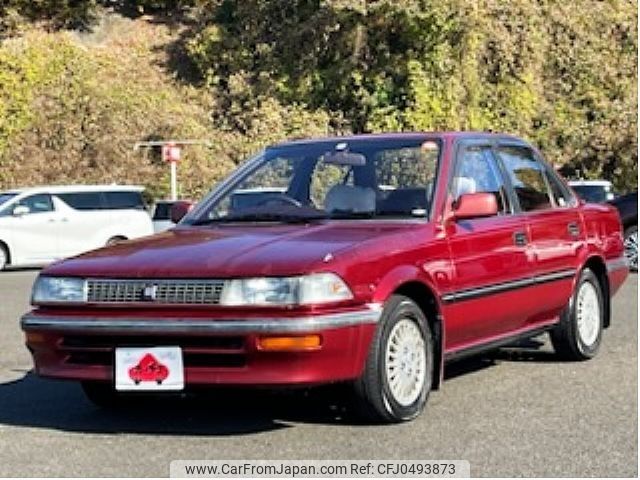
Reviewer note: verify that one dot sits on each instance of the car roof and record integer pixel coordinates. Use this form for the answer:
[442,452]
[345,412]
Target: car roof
[75,189]
[401,136]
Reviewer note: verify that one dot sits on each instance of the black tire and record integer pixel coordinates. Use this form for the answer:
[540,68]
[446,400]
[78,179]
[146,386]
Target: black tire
[4,257]
[375,401]
[566,337]
[631,246]
[114,241]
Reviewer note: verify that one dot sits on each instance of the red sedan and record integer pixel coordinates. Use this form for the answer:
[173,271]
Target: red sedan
[371,260]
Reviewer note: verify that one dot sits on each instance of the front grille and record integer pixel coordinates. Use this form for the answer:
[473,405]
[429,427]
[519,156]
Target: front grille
[194,292]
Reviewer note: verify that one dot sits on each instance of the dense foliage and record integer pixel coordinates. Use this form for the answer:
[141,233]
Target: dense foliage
[562,74]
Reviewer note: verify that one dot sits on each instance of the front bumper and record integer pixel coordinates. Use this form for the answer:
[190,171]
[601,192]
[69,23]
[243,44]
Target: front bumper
[218,351]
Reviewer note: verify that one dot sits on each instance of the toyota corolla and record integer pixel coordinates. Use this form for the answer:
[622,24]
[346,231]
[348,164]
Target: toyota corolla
[370,260]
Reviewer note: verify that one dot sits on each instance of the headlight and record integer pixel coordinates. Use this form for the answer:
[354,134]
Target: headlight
[58,290]
[309,289]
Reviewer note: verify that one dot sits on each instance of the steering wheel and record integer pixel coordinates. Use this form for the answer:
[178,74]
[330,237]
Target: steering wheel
[279,198]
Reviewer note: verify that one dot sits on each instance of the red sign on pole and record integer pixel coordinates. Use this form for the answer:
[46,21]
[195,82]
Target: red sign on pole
[171,152]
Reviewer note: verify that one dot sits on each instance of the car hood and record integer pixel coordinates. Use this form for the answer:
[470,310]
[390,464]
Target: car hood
[228,250]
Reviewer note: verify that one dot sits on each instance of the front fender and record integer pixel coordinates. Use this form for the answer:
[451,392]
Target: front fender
[398,276]
[406,275]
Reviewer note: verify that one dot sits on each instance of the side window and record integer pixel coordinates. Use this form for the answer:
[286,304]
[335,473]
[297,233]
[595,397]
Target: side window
[477,172]
[124,200]
[40,203]
[527,177]
[561,198]
[83,200]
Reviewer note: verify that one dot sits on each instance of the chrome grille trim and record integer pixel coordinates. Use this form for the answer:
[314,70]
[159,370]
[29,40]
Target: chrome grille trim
[165,291]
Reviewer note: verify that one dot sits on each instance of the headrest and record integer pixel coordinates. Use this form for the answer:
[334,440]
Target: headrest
[347,198]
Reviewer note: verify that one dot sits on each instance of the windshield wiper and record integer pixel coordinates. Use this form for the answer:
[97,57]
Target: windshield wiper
[261,217]
[347,215]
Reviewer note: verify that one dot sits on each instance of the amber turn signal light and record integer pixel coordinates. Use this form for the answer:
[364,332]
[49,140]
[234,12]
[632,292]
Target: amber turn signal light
[33,337]
[274,344]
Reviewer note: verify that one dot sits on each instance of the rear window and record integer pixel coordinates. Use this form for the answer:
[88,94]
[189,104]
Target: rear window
[103,200]
[124,200]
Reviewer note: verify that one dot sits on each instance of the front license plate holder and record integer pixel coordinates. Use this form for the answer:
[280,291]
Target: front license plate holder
[149,369]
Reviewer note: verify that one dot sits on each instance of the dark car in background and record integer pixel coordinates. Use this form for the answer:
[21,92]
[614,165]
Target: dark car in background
[627,206]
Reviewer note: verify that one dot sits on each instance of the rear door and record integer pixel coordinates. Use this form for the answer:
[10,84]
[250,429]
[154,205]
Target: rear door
[553,222]
[492,257]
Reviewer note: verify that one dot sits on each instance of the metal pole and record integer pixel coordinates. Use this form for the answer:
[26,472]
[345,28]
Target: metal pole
[174,169]
[174,181]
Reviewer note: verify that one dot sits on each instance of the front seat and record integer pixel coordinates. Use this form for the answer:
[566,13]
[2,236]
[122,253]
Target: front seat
[350,199]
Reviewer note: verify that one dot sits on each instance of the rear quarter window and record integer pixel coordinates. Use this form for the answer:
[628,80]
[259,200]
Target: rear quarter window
[124,200]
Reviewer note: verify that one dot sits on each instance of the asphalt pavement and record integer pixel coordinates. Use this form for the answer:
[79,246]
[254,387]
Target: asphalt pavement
[516,412]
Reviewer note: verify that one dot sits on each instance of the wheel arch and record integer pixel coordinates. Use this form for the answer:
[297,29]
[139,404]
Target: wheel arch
[426,299]
[5,246]
[113,239]
[597,265]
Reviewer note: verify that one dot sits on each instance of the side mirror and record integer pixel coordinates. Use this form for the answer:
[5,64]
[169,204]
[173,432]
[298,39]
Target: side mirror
[475,205]
[20,210]
[179,210]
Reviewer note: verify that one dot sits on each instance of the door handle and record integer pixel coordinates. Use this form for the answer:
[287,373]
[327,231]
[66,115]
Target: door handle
[520,239]
[573,229]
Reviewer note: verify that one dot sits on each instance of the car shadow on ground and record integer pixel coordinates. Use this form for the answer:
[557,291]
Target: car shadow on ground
[39,403]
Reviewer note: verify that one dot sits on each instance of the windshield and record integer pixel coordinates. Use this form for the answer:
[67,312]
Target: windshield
[5,197]
[357,179]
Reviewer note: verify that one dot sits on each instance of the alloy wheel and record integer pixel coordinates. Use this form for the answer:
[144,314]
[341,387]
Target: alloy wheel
[588,313]
[406,363]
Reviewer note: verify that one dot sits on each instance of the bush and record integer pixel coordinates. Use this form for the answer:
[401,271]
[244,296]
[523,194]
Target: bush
[563,75]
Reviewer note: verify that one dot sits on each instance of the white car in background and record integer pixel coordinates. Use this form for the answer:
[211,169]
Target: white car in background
[43,224]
